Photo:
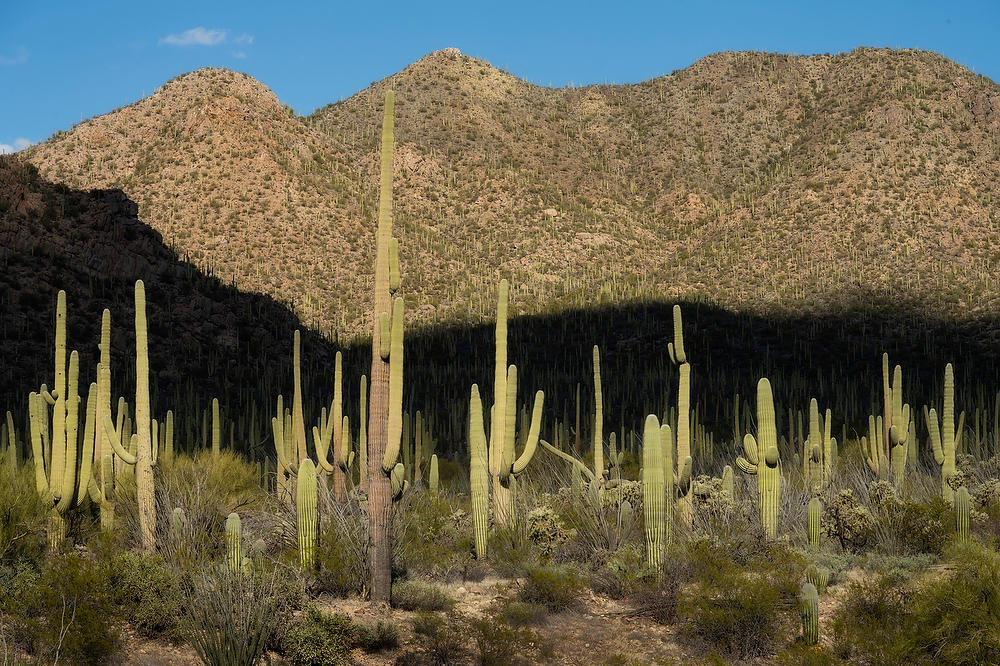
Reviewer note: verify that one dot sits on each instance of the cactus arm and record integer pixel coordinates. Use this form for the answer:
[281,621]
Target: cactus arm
[114,437]
[346,455]
[322,450]
[568,458]
[279,436]
[750,449]
[935,435]
[532,444]
[745,465]
[36,412]
[88,443]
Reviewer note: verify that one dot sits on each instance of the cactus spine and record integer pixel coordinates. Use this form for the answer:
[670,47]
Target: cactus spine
[762,459]
[809,609]
[307,520]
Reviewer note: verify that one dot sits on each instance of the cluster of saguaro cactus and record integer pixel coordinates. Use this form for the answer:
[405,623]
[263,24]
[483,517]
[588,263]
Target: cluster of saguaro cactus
[944,435]
[661,487]
[820,449]
[762,459]
[889,436]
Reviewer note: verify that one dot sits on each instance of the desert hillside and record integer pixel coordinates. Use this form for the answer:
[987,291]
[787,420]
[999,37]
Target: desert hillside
[766,183]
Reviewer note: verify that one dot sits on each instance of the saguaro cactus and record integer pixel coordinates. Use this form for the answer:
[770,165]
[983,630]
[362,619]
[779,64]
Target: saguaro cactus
[962,513]
[762,459]
[432,480]
[685,508]
[809,609]
[598,417]
[502,464]
[478,473]
[234,543]
[653,492]
[815,513]
[944,436]
[307,520]
[386,400]
[144,490]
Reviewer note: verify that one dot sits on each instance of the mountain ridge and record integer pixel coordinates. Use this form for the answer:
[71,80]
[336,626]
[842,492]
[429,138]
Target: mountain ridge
[752,181]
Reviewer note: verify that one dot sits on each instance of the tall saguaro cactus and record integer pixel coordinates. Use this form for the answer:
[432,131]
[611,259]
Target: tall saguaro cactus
[479,476]
[144,490]
[502,463]
[945,436]
[598,417]
[653,492]
[685,508]
[762,459]
[385,416]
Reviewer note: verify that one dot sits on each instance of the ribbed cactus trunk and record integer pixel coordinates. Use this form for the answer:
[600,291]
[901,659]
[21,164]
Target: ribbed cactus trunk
[809,609]
[479,481]
[307,519]
[498,422]
[815,514]
[144,489]
[598,417]
[654,492]
[379,484]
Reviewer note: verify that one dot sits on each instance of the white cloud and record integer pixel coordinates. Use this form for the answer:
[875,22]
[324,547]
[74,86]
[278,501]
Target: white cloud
[239,54]
[196,37]
[18,58]
[244,39]
[20,143]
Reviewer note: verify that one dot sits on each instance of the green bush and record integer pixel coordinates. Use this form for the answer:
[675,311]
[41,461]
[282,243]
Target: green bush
[22,518]
[743,592]
[412,595]
[554,586]
[955,619]
[146,593]
[383,635]
[434,536]
[522,613]
[67,613]
[444,638]
[500,644]
[879,602]
[850,523]
[319,639]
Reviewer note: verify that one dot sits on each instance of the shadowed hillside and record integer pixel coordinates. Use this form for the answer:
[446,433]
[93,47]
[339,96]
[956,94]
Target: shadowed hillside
[763,183]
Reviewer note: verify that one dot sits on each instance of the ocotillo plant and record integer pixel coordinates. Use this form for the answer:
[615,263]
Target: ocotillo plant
[944,436]
[762,459]
[685,508]
[385,415]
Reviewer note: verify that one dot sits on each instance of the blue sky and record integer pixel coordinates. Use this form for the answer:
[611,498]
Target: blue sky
[60,61]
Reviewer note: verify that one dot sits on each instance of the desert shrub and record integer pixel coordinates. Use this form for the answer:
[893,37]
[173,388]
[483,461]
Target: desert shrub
[22,518]
[499,643]
[343,551]
[522,613]
[413,595]
[878,602]
[146,593]
[806,655]
[383,635]
[658,600]
[510,550]
[444,638]
[546,530]
[66,614]
[910,526]
[600,523]
[319,639]
[435,536]
[848,521]
[231,618]
[553,586]
[954,619]
[742,594]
